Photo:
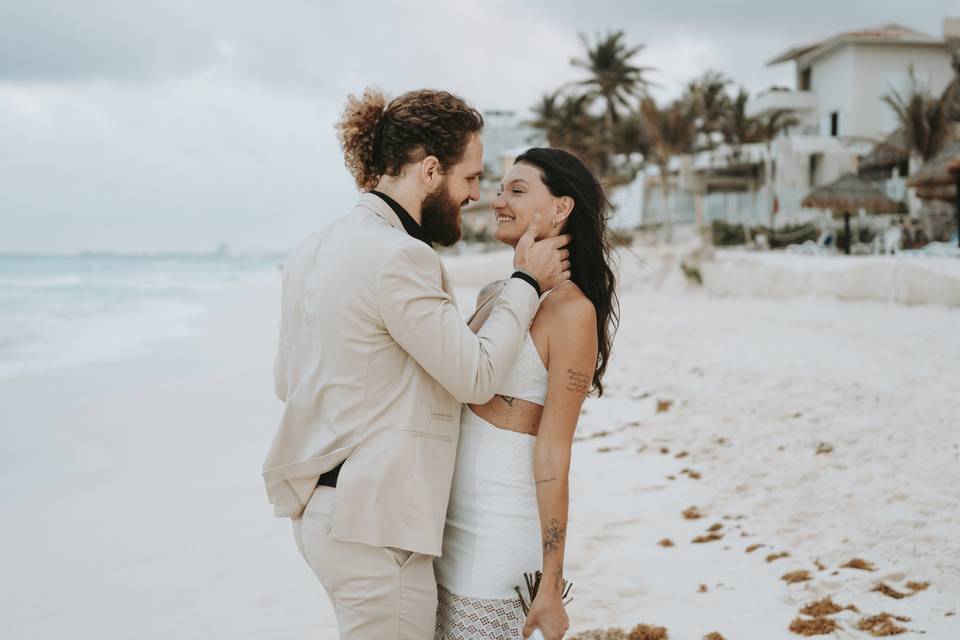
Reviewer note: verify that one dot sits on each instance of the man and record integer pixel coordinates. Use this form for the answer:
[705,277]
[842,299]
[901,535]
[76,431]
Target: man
[374,360]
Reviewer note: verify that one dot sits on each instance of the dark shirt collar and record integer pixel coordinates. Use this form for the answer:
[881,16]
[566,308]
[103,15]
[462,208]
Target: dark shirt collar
[409,224]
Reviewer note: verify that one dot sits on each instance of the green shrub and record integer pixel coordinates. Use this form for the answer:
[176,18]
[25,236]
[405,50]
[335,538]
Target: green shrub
[726,234]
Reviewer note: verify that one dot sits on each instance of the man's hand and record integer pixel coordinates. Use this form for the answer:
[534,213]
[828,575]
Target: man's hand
[546,260]
[548,615]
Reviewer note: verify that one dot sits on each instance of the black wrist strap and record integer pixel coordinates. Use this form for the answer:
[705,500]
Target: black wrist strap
[526,277]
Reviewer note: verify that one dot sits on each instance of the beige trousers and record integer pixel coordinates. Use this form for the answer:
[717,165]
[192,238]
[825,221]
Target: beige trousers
[378,593]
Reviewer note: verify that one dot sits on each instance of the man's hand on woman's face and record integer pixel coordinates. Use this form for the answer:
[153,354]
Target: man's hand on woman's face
[546,260]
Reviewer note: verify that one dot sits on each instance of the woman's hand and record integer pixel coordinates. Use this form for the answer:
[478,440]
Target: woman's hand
[548,614]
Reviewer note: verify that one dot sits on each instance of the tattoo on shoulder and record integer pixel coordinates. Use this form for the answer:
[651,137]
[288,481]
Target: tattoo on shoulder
[554,536]
[578,381]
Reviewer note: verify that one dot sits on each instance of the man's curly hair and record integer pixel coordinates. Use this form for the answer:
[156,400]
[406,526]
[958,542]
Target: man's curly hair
[379,137]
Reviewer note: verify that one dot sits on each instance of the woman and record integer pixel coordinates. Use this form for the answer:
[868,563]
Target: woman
[508,504]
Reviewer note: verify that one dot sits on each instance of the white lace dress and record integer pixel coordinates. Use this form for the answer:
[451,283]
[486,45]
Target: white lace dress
[492,534]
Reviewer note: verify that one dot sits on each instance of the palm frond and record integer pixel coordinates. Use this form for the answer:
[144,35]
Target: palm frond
[927,121]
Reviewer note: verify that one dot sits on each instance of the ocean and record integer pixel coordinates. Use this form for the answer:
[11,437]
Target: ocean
[60,310]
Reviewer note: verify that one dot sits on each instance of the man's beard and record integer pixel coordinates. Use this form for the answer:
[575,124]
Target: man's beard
[440,217]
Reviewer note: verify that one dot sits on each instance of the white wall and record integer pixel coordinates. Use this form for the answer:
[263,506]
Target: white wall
[852,79]
[628,201]
[831,80]
[879,68]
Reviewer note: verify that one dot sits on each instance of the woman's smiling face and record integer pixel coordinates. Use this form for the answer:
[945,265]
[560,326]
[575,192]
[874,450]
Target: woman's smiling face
[522,194]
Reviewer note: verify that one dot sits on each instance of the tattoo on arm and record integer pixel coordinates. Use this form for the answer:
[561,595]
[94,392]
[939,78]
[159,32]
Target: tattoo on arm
[539,482]
[553,537]
[578,381]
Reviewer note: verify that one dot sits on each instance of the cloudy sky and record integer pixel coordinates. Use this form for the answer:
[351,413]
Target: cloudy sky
[128,125]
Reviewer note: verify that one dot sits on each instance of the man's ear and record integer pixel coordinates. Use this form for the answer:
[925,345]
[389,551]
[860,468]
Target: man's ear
[430,172]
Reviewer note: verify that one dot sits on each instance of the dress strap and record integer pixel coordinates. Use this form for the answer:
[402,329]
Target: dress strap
[549,291]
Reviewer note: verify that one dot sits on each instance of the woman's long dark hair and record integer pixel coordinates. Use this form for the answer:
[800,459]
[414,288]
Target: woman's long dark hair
[590,255]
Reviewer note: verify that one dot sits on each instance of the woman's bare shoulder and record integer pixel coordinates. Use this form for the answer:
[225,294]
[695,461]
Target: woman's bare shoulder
[568,297]
[568,309]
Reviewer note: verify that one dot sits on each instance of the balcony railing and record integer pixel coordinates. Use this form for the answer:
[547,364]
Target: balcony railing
[771,101]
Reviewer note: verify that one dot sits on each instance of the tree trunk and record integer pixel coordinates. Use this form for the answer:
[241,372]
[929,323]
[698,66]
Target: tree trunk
[609,120]
[846,228]
[667,213]
[698,214]
[768,179]
[913,202]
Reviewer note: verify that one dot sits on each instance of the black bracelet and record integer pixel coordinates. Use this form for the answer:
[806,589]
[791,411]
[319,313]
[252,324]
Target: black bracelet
[526,277]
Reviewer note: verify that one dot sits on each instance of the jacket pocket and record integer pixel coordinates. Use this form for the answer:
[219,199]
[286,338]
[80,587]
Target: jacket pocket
[413,433]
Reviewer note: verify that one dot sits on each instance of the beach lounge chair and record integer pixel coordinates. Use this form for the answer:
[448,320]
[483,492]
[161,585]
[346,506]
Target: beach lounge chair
[823,246]
[941,250]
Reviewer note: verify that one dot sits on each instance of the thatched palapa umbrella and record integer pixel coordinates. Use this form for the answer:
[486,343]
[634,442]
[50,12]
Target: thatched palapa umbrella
[848,194]
[933,180]
[954,166]
[889,153]
[939,178]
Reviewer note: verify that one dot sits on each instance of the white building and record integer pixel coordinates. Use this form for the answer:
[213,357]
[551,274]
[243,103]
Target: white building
[838,101]
[840,81]
[838,105]
[505,136]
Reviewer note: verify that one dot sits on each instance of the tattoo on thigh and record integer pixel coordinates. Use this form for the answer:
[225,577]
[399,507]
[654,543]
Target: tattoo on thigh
[554,536]
[578,381]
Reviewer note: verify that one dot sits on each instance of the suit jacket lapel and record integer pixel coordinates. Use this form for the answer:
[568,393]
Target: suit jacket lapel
[490,296]
[382,209]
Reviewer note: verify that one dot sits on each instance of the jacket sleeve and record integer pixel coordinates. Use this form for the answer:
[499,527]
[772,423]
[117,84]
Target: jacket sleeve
[423,320]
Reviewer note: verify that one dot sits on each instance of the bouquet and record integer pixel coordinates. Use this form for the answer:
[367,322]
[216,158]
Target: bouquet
[533,585]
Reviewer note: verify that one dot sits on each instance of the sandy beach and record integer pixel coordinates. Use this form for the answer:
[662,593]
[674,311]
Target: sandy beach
[819,428]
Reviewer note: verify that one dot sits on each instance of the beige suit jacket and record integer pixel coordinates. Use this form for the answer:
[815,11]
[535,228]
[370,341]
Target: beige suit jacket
[373,362]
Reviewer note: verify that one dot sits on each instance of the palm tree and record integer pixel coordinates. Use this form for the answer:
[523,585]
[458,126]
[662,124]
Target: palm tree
[672,132]
[567,124]
[776,123]
[712,103]
[738,128]
[612,75]
[549,116]
[631,135]
[768,129]
[630,144]
[927,121]
[951,95]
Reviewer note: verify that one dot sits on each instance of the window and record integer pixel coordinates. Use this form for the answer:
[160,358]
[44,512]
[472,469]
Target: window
[804,83]
[834,124]
[814,164]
